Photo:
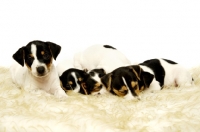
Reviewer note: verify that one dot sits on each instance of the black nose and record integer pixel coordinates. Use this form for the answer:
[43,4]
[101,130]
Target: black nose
[40,69]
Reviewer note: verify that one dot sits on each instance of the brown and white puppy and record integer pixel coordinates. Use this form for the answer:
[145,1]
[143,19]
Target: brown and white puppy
[33,67]
[127,82]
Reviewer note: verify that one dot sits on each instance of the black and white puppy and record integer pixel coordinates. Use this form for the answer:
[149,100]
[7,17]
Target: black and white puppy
[100,56]
[127,82]
[94,84]
[33,67]
[166,73]
[74,80]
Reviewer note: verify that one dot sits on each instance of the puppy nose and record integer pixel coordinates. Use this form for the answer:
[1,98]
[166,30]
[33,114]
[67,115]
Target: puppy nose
[40,69]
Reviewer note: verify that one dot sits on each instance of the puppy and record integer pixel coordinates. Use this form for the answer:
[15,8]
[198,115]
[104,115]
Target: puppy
[94,85]
[74,80]
[127,81]
[100,56]
[33,67]
[166,73]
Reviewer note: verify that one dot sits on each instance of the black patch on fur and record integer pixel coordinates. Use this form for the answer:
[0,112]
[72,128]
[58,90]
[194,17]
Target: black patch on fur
[157,68]
[170,61]
[67,76]
[108,46]
[101,72]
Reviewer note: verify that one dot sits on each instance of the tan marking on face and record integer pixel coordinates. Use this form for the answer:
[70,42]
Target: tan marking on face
[136,74]
[142,88]
[109,83]
[28,67]
[70,82]
[96,88]
[42,52]
[83,85]
[133,84]
[49,65]
[80,79]
[122,92]
[137,90]
[63,87]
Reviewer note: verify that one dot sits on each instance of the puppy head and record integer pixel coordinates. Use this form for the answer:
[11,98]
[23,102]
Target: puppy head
[74,79]
[37,56]
[94,84]
[127,81]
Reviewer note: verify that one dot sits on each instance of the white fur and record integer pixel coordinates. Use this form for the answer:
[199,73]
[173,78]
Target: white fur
[29,80]
[176,73]
[77,88]
[97,56]
[64,65]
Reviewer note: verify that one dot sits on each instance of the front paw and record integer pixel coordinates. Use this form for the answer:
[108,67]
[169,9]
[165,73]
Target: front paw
[61,94]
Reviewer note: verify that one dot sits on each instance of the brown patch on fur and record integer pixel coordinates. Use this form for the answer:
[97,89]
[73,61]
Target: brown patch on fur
[83,85]
[70,82]
[28,67]
[96,88]
[63,87]
[137,90]
[49,65]
[109,83]
[42,52]
[142,89]
[80,79]
[133,84]
[122,92]
[136,74]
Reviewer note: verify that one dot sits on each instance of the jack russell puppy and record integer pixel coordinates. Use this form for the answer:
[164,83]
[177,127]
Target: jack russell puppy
[153,74]
[33,67]
[127,81]
[100,56]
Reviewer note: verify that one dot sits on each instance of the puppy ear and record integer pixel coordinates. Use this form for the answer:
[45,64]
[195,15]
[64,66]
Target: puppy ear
[102,72]
[19,56]
[147,78]
[106,80]
[54,48]
[136,70]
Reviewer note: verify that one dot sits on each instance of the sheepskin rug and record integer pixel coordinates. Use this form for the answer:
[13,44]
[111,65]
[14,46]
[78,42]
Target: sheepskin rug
[171,109]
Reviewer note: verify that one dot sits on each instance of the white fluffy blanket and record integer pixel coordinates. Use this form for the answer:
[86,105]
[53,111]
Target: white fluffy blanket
[171,109]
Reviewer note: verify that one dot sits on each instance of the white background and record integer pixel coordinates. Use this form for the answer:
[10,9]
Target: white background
[141,29]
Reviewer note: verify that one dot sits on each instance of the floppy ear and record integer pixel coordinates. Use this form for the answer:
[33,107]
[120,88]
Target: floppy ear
[106,80]
[147,78]
[137,70]
[102,73]
[54,48]
[19,56]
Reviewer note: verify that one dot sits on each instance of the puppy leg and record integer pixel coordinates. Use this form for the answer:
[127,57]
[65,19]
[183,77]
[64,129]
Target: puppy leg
[154,86]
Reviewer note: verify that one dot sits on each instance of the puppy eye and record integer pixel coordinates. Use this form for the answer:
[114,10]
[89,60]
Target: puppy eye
[100,86]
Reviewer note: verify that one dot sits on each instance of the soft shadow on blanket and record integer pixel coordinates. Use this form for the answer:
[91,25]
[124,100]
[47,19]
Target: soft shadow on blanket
[171,109]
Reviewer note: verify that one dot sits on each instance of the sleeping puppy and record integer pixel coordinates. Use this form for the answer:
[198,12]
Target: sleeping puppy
[33,67]
[167,73]
[82,81]
[100,56]
[74,80]
[127,82]
[94,84]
